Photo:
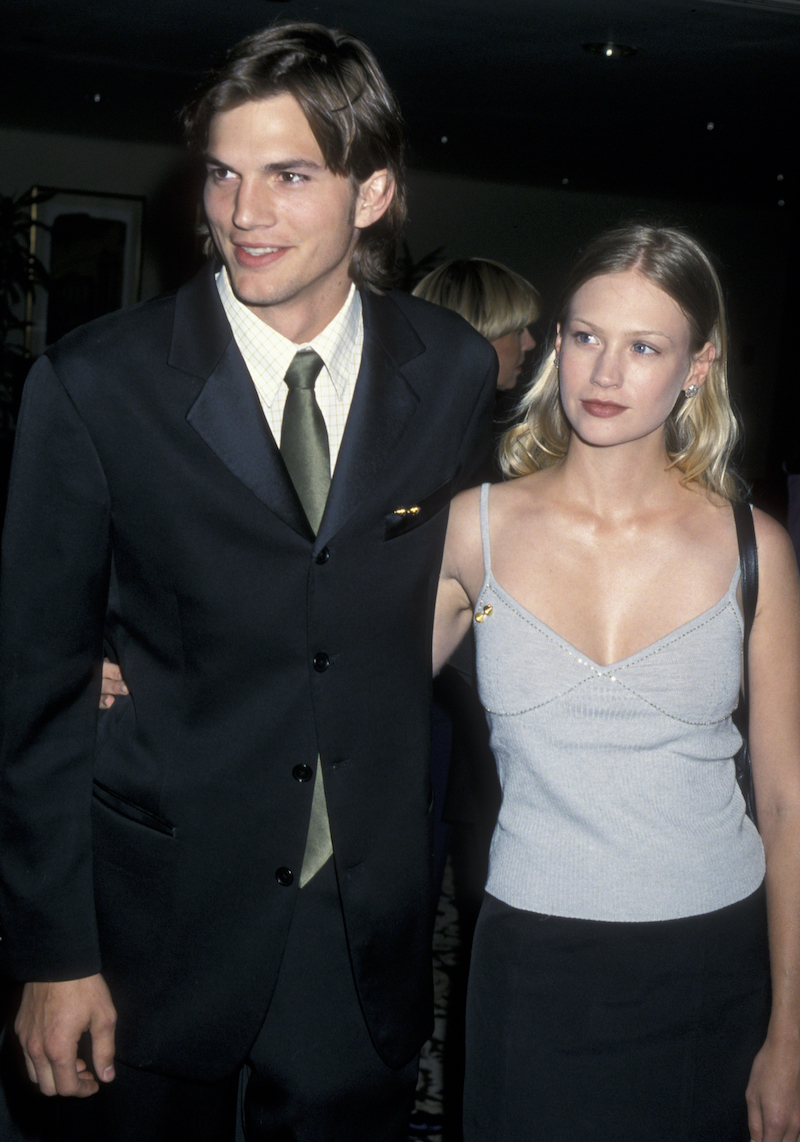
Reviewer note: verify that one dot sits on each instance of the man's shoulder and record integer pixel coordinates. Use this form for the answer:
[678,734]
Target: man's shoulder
[115,344]
[439,330]
[426,316]
[136,329]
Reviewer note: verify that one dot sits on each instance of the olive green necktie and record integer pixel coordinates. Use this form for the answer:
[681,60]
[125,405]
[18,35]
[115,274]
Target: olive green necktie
[304,447]
[304,437]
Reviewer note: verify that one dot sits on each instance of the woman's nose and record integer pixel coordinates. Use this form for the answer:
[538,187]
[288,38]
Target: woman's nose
[606,373]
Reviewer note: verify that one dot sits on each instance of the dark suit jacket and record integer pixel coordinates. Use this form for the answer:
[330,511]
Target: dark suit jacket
[149,505]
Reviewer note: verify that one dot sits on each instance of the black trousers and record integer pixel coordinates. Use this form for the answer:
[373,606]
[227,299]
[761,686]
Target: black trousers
[312,1074]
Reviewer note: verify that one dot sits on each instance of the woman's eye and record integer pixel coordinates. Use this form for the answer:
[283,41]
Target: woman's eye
[642,349]
[584,338]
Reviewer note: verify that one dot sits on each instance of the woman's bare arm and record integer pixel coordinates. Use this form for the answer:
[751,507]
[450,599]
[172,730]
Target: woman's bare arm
[773,1093]
[460,577]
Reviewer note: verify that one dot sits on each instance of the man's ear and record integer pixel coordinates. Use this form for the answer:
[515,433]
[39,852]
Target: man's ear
[374,198]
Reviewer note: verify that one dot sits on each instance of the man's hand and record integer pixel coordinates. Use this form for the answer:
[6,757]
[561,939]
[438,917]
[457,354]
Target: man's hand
[52,1017]
[113,684]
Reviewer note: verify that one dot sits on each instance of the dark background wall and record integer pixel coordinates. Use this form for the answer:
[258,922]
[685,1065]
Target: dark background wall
[524,142]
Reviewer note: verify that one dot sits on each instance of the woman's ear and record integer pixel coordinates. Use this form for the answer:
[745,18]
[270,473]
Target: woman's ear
[701,363]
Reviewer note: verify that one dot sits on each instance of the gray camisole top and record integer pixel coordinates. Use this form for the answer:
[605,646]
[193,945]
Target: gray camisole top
[620,799]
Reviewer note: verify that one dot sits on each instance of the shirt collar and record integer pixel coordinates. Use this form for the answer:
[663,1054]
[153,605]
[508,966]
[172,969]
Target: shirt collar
[268,353]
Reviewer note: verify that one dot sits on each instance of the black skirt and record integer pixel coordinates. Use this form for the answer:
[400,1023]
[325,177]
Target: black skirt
[587,1031]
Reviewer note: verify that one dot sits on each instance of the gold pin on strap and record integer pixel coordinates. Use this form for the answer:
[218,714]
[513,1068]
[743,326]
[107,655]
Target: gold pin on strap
[481,616]
[407,511]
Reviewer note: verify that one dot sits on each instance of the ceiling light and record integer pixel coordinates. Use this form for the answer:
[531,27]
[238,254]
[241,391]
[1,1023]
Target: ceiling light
[610,50]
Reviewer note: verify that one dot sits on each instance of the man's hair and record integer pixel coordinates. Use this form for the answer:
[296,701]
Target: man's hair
[492,298]
[350,109]
[700,433]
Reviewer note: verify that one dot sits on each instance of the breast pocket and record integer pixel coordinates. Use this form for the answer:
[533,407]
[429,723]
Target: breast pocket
[415,513]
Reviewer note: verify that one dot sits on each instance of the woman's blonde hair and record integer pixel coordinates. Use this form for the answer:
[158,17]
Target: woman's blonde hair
[701,431]
[490,296]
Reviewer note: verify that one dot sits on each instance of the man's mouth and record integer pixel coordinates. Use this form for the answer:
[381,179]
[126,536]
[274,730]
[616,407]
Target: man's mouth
[251,257]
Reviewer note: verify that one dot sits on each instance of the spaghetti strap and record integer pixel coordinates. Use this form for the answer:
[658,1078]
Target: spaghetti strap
[487,554]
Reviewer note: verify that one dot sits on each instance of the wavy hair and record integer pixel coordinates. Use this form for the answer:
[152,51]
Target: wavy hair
[701,431]
[492,298]
[350,109]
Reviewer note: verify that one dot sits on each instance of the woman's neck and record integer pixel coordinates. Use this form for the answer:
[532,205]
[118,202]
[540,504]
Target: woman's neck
[619,481]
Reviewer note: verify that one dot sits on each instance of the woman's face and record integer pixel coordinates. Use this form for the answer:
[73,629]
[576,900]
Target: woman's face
[511,349]
[625,355]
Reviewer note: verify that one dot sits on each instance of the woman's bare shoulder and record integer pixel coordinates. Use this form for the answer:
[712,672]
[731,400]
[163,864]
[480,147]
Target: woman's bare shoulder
[516,500]
[777,563]
[769,533]
[465,509]
[504,496]
[535,486]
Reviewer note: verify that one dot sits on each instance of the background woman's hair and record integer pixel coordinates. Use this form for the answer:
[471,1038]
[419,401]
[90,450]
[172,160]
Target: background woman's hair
[492,298]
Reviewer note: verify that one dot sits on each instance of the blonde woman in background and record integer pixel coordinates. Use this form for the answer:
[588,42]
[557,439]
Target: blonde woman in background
[495,300]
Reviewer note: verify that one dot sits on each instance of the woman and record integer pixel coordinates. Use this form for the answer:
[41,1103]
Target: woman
[619,983]
[497,302]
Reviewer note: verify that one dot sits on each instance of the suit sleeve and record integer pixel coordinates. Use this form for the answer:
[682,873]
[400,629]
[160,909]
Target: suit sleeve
[53,595]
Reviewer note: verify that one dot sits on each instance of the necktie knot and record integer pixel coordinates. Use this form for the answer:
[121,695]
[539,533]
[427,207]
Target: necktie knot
[304,369]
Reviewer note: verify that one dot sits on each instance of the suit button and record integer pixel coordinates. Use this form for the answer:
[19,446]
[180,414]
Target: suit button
[284,876]
[302,773]
[321,662]
[323,556]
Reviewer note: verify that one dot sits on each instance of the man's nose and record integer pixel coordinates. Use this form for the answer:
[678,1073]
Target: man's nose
[254,206]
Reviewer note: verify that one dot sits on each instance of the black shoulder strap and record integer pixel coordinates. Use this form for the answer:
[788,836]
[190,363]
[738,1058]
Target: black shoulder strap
[748,561]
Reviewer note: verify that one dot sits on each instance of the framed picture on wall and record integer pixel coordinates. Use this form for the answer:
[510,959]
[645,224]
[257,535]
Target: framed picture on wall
[91,246]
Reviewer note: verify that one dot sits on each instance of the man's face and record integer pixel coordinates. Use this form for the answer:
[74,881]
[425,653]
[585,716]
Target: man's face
[284,224]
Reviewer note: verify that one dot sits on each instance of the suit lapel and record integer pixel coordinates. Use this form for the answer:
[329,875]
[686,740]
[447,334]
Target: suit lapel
[227,413]
[228,417]
[384,403]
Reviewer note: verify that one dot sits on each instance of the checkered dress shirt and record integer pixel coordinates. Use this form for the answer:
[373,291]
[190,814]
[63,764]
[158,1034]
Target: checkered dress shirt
[268,355]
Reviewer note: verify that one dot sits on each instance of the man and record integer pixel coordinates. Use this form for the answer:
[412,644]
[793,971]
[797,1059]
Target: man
[168,880]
